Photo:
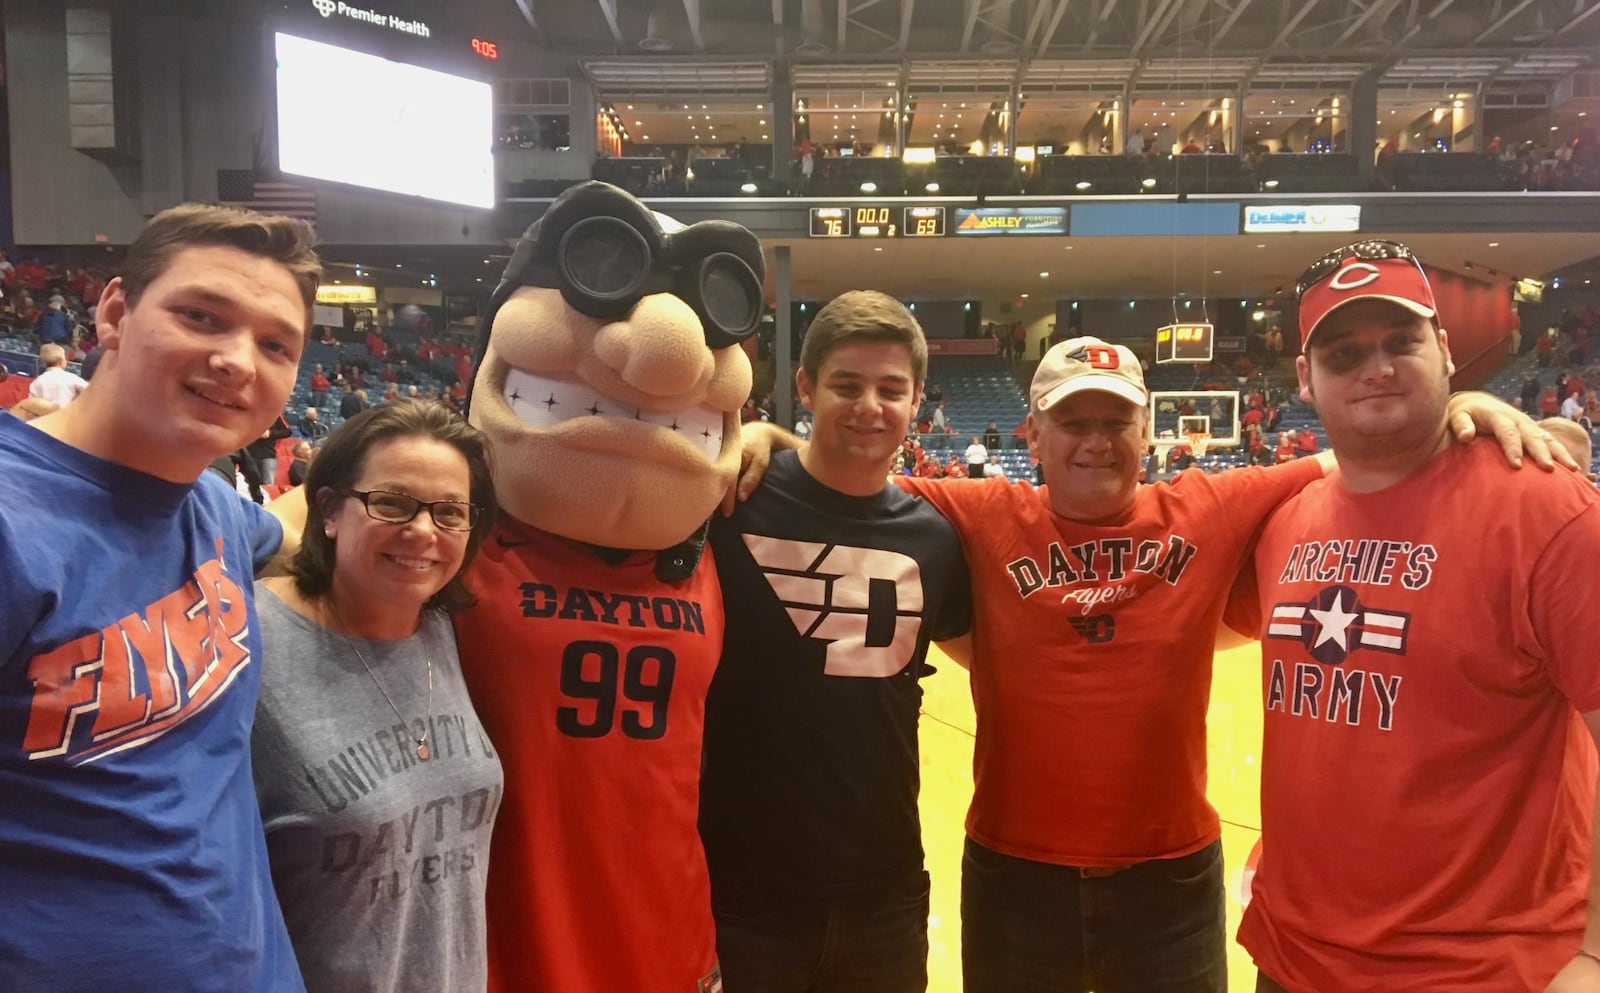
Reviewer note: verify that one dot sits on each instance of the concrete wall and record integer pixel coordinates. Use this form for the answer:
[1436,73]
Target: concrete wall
[59,195]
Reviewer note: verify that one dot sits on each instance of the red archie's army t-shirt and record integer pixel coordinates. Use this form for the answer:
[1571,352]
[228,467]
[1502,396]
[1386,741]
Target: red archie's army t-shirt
[591,681]
[1426,784]
[1092,649]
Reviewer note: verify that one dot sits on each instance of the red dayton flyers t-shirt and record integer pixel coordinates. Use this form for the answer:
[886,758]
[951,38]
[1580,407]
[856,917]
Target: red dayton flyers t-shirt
[591,680]
[1426,785]
[1092,651]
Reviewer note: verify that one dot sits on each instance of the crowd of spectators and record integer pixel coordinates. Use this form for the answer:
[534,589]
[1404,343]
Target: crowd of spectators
[1563,382]
[50,303]
[820,168]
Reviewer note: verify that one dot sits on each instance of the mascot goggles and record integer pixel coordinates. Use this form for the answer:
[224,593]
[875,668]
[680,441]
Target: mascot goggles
[604,267]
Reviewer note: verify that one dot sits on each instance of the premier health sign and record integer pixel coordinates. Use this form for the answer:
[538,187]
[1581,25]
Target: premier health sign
[1315,217]
[1010,220]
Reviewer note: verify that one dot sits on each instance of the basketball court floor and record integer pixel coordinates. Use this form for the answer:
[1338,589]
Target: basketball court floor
[1234,727]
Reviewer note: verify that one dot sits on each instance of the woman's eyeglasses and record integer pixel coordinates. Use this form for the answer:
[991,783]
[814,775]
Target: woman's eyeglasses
[401,508]
[1366,251]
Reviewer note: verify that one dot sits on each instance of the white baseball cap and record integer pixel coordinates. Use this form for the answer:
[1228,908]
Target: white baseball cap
[1087,363]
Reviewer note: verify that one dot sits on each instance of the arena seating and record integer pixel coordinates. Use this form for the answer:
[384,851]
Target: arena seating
[843,176]
[1451,173]
[978,390]
[1331,173]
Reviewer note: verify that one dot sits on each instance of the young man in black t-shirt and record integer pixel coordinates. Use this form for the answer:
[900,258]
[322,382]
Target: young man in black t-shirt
[834,582]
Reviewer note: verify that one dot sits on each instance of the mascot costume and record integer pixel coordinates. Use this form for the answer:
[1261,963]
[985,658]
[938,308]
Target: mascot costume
[610,377]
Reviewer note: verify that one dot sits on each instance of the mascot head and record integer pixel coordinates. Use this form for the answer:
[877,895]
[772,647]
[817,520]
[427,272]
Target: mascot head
[610,375]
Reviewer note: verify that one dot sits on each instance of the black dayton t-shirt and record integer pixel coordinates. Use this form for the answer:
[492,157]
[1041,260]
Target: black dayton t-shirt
[810,781]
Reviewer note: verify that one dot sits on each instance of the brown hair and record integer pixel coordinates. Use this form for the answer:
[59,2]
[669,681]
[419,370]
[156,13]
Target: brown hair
[863,315]
[286,240]
[339,463]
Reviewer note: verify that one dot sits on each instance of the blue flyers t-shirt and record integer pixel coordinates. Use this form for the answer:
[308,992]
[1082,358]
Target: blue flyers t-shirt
[131,849]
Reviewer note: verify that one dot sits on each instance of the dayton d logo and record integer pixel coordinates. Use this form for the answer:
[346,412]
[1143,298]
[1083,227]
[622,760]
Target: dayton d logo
[865,602]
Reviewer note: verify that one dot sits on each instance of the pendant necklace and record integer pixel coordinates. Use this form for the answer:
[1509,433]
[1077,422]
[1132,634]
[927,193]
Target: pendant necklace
[423,751]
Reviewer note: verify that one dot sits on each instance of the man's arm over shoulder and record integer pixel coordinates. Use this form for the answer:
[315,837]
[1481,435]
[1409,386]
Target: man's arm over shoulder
[289,512]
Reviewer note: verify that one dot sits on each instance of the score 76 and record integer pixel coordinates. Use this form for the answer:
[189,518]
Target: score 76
[596,671]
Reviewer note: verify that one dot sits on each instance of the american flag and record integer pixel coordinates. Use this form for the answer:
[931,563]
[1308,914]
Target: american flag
[243,188]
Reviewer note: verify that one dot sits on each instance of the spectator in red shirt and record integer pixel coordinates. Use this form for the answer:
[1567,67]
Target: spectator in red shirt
[1306,442]
[956,469]
[1548,404]
[1285,450]
[319,385]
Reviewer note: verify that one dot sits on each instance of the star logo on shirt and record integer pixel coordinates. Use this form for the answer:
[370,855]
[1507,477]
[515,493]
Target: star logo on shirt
[1335,622]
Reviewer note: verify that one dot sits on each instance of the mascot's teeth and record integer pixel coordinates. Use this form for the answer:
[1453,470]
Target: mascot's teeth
[540,402]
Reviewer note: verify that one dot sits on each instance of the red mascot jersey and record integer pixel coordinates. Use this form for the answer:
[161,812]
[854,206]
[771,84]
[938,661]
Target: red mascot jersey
[591,680]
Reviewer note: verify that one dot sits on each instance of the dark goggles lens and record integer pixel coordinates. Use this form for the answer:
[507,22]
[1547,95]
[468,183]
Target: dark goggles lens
[1366,251]
[606,268]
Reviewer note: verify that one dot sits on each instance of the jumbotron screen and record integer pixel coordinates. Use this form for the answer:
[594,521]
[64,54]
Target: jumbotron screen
[407,129]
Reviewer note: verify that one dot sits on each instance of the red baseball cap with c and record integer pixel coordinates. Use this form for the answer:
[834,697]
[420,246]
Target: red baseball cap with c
[1400,281]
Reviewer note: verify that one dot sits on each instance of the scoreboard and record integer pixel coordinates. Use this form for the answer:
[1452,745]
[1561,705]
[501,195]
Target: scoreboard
[1183,343]
[877,221]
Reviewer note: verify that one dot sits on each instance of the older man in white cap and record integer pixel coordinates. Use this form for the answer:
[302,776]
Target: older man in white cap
[1430,683]
[1093,857]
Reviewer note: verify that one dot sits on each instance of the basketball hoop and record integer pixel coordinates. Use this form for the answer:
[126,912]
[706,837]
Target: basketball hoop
[1197,443]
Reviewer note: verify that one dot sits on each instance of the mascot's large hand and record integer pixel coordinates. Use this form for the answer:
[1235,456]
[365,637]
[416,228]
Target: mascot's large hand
[610,379]
[610,384]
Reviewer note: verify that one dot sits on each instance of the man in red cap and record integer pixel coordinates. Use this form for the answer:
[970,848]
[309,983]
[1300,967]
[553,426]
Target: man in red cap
[1431,690]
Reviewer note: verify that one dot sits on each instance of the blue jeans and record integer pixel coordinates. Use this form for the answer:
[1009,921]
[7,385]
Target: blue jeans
[1032,927]
[269,472]
[875,942]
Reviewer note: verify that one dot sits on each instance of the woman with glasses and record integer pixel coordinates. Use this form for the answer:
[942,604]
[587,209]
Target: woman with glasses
[378,787]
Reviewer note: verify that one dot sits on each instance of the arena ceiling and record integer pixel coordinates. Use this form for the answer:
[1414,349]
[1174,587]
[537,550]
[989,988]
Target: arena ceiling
[961,44]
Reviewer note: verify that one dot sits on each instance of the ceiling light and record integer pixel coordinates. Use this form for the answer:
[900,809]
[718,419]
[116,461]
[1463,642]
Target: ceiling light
[878,248]
[762,121]
[630,106]
[646,137]
[764,138]
[1024,296]
[1271,184]
[1044,275]
[748,188]
[932,187]
[1216,272]
[869,187]
[760,106]
[1084,184]
[1494,244]
[1147,183]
